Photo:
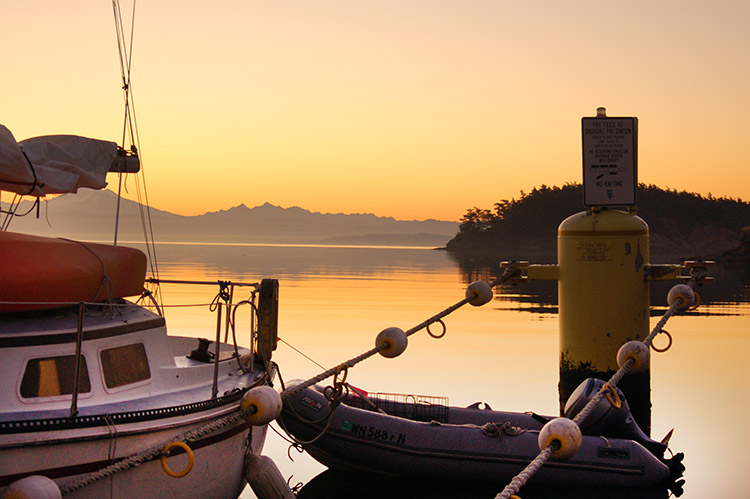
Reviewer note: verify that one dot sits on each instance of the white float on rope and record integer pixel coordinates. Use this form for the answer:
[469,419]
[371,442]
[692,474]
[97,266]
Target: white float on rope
[395,339]
[478,293]
[566,433]
[267,403]
[683,292]
[33,487]
[636,350]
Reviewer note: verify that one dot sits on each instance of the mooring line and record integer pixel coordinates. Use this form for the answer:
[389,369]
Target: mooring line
[476,294]
[679,298]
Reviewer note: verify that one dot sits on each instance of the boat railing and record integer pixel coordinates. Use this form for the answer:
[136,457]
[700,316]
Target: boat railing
[152,280]
[223,301]
[222,305]
[414,407]
[77,374]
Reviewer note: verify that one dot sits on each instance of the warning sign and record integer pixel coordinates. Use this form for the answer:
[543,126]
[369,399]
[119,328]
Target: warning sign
[610,154]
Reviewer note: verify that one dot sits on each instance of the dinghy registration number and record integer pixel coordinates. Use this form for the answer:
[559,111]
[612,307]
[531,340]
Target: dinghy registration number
[372,433]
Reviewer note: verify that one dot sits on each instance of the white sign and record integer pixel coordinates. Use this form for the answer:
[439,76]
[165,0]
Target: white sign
[610,156]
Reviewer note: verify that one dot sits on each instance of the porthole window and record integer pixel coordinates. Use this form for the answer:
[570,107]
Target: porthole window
[124,365]
[53,376]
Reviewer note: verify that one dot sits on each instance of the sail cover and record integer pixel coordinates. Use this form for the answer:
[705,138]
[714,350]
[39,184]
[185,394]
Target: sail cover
[53,164]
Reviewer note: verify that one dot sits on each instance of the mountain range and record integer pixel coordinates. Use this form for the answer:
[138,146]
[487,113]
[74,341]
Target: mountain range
[90,215]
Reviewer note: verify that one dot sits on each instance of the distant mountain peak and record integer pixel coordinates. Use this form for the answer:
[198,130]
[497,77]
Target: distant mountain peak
[239,208]
[91,215]
[268,206]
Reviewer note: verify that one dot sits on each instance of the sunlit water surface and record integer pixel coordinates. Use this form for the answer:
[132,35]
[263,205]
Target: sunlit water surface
[334,301]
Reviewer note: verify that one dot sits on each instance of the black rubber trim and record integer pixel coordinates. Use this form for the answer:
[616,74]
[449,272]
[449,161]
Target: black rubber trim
[55,424]
[95,334]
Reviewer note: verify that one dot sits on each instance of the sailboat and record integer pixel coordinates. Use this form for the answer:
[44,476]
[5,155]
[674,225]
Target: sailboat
[97,400]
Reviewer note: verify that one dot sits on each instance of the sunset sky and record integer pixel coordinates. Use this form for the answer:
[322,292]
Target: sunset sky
[411,109]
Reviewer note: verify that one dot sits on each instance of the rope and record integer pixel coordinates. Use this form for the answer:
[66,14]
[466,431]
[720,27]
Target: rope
[106,281]
[509,273]
[523,477]
[520,480]
[335,397]
[155,451]
[366,355]
[499,430]
[301,353]
[12,210]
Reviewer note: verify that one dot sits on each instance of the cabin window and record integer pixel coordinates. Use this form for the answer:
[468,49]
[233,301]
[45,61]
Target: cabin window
[124,365]
[53,376]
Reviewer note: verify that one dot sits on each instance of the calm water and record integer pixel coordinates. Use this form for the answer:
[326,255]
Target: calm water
[334,301]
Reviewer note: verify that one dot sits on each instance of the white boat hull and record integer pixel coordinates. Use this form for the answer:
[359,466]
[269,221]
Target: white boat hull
[70,455]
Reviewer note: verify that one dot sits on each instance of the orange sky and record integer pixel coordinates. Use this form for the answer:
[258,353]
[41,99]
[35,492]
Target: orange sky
[411,109]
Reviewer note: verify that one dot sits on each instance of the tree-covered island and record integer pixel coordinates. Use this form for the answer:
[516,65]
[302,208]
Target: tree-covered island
[681,225]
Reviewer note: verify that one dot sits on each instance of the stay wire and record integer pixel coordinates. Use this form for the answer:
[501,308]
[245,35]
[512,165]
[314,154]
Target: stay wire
[302,353]
[130,127]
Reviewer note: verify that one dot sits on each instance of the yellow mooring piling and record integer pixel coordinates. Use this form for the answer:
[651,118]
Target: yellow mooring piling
[603,274]
[603,295]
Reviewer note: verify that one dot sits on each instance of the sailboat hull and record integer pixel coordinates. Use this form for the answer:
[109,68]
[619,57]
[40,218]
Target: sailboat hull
[69,455]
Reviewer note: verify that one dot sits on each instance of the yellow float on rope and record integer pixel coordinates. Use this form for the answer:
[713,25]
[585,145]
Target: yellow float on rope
[165,453]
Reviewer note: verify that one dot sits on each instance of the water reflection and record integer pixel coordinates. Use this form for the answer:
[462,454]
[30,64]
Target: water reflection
[729,294]
[363,485]
[297,262]
[241,261]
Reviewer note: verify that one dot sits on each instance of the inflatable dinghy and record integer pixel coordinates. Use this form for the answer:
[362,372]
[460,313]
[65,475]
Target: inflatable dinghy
[423,437]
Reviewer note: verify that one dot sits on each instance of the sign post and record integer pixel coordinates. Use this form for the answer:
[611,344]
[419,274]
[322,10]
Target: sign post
[610,157]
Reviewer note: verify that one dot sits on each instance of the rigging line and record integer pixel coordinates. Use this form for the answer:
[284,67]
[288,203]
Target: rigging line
[126,57]
[132,121]
[34,204]
[129,105]
[132,35]
[120,37]
[119,31]
[12,212]
[125,54]
[12,208]
[301,353]
[148,228]
[117,211]
[8,213]
[130,126]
